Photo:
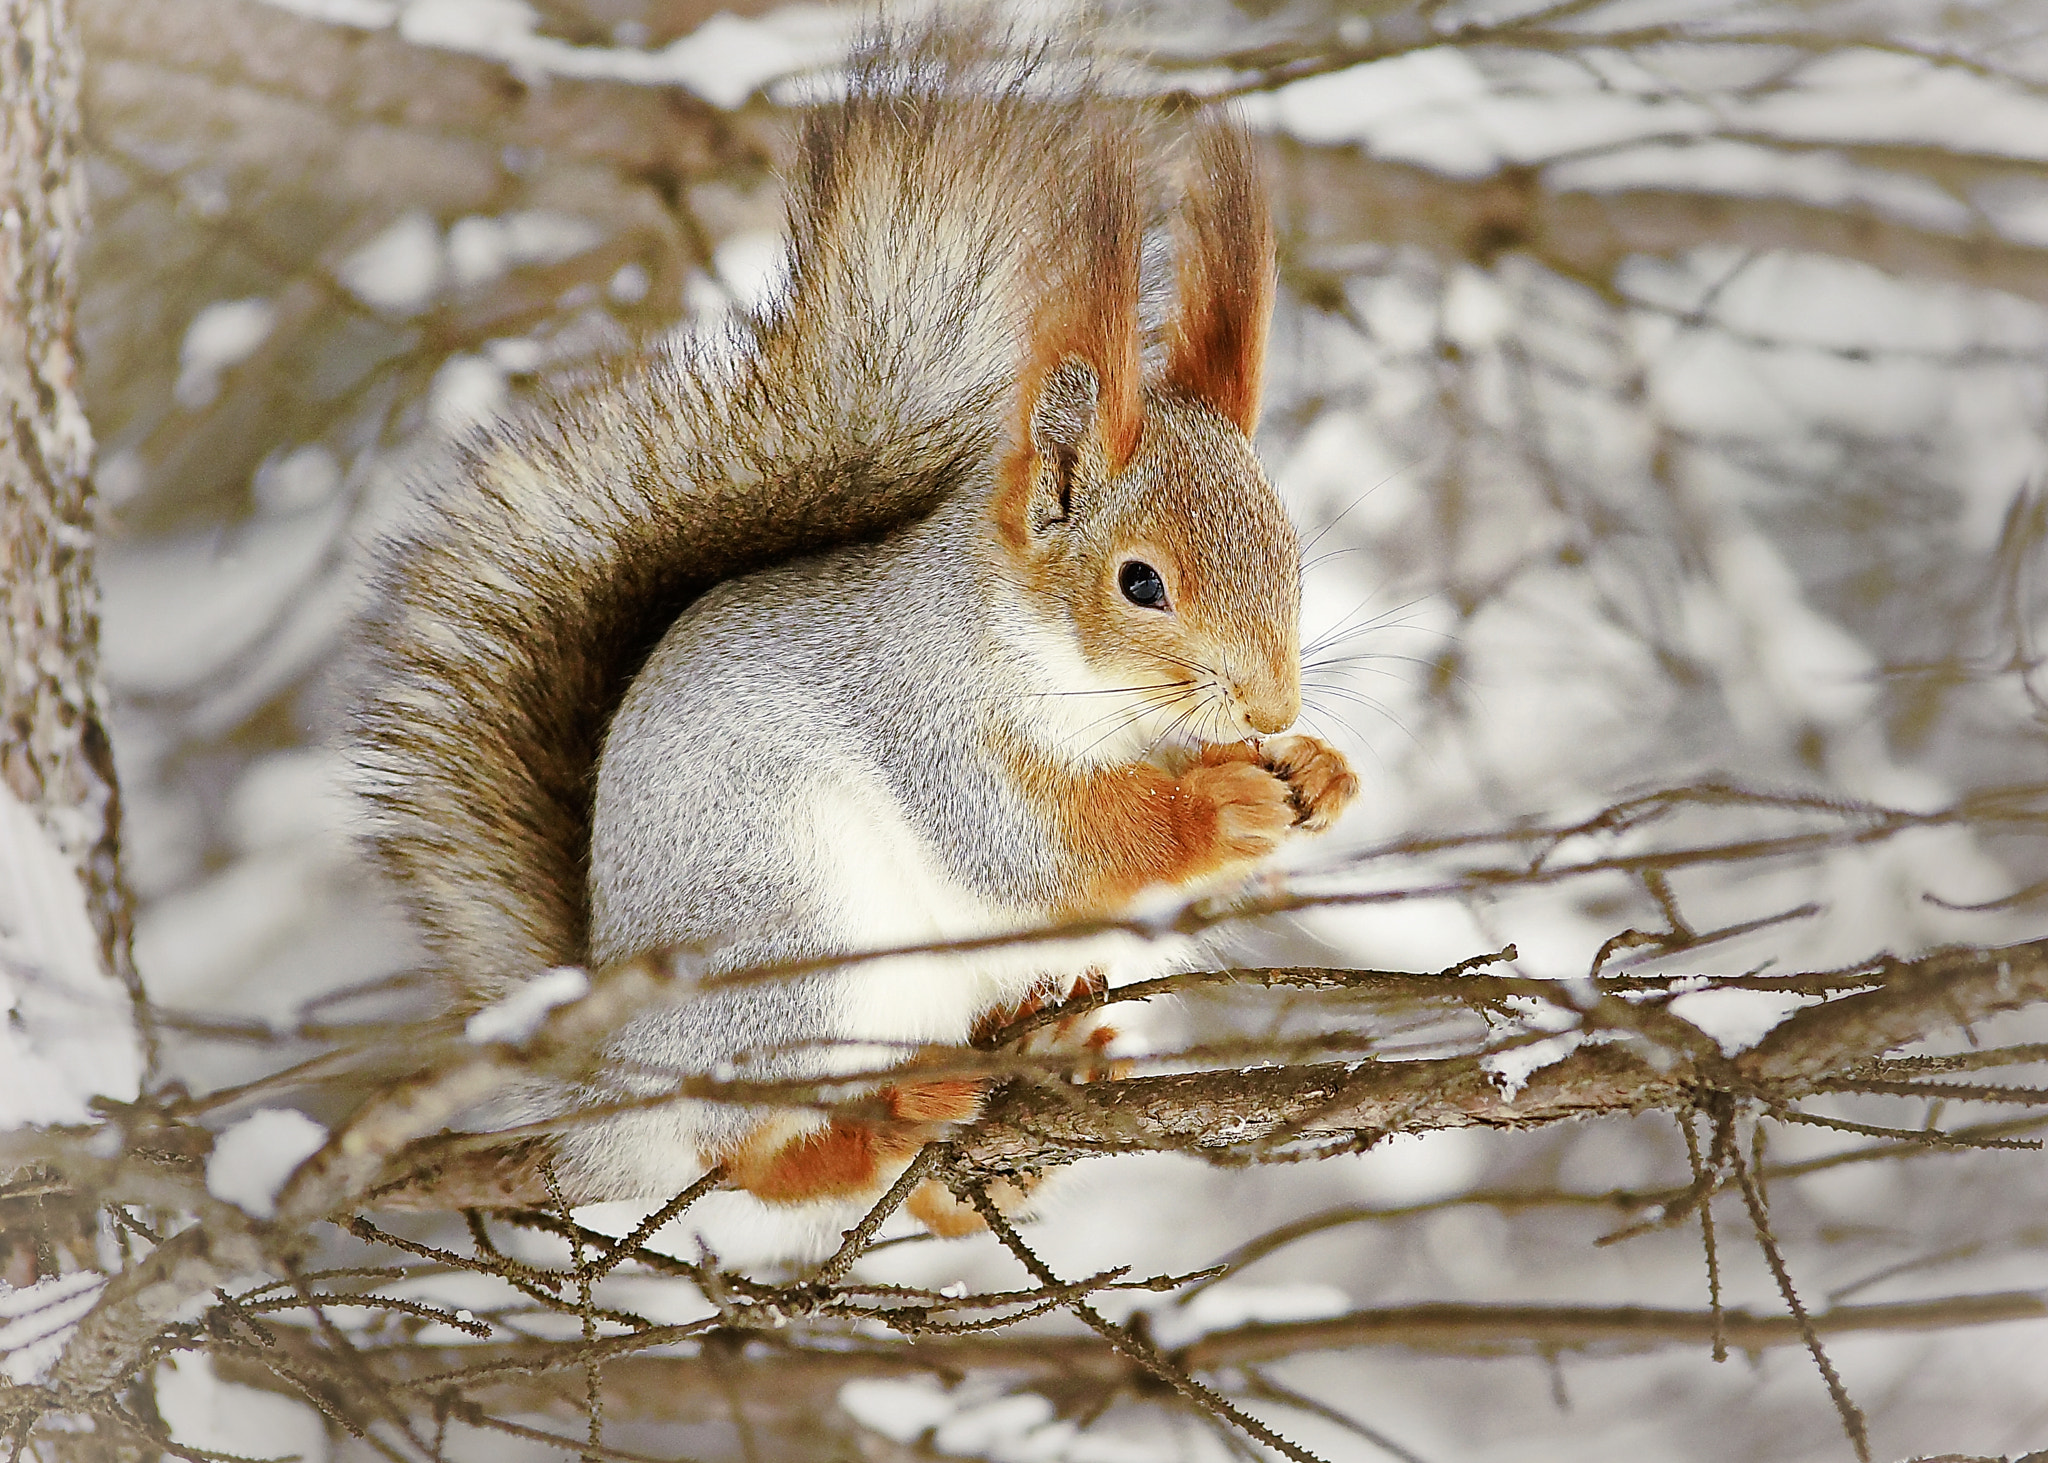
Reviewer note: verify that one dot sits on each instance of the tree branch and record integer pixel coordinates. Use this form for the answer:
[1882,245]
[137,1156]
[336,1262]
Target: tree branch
[1233,1113]
[797,1379]
[1330,197]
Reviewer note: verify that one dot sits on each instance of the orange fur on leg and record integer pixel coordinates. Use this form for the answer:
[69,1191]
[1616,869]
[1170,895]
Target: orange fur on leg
[946,1215]
[945,1100]
[850,1156]
[841,1159]
[1133,827]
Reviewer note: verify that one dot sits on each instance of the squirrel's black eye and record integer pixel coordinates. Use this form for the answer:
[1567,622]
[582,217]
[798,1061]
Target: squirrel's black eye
[1142,585]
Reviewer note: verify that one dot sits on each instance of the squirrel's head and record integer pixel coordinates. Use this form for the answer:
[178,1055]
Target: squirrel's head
[1134,508]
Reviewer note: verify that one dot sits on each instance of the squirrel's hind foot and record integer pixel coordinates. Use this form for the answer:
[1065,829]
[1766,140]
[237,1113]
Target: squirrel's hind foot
[850,1157]
[947,1216]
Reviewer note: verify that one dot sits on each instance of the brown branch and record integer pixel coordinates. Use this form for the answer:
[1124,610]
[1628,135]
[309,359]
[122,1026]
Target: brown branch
[1534,1330]
[1334,196]
[799,1380]
[1218,1114]
[304,140]
[1230,1115]
[114,1337]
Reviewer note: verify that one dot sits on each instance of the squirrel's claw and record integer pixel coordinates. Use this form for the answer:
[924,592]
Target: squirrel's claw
[1320,782]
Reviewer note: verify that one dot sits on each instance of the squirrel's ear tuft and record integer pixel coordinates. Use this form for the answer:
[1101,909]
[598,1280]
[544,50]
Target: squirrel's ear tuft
[1216,348]
[1088,301]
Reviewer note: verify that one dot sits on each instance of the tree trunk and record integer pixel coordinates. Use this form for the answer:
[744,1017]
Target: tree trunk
[55,758]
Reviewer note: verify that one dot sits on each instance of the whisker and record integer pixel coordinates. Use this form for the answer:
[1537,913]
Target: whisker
[1132,720]
[1365,746]
[1201,671]
[1118,690]
[1328,554]
[1145,704]
[1372,705]
[1171,727]
[1318,535]
[1328,636]
[1341,632]
[1359,668]
[1346,693]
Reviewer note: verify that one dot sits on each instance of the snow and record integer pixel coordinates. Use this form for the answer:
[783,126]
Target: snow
[1865,97]
[515,355]
[66,1033]
[481,247]
[738,1228]
[520,1014]
[751,266]
[284,922]
[898,1408]
[252,1159]
[1439,108]
[1512,1067]
[543,236]
[36,1321]
[1344,106]
[362,14]
[296,481]
[971,1421]
[1737,1019]
[400,269]
[466,390]
[1824,179]
[1014,1429]
[1341,475]
[223,334]
[287,798]
[1232,1303]
[181,610]
[629,285]
[1807,668]
[1476,310]
[1415,1168]
[726,60]
[210,1415]
[120,477]
[478,251]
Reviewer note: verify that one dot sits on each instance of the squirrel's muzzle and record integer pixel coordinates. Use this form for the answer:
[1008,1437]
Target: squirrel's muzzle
[1269,704]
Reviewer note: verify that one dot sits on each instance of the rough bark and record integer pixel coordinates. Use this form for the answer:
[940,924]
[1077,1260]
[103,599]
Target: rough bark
[55,757]
[1260,1113]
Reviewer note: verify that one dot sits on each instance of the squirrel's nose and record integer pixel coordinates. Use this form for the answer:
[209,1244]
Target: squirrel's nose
[1269,709]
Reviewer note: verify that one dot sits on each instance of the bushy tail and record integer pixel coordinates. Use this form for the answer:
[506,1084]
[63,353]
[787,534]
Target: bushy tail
[933,211]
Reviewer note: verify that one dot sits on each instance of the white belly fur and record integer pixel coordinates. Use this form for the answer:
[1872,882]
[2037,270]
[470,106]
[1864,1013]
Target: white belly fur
[890,892]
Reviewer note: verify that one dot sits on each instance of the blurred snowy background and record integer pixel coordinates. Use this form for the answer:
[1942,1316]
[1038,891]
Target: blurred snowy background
[1663,386]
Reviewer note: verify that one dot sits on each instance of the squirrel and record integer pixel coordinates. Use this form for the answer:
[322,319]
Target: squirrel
[943,596]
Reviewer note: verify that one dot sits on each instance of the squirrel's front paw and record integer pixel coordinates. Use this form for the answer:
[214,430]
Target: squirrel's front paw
[1253,807]
[1320,782]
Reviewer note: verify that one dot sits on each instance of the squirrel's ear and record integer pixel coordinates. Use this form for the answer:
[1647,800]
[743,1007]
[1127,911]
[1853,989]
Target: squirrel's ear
[1088,299]
[1216,348]
[1079,410]
[1062,420]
